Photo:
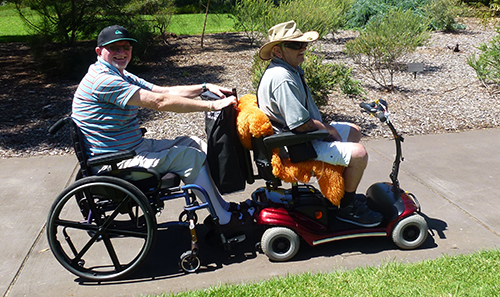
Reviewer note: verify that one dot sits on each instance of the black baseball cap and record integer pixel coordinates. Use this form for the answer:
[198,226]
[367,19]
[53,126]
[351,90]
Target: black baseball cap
[112,34]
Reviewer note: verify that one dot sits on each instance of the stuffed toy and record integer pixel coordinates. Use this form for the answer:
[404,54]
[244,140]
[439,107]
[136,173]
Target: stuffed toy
[252,122]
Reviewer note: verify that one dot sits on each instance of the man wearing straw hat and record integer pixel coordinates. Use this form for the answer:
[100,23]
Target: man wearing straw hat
[286,99]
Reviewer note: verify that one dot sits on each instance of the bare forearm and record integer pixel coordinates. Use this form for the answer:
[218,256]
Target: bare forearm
[313,125]
[183,91]
[192,91]
[175,103]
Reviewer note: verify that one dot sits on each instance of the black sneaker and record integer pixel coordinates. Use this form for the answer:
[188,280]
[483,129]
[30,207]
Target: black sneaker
[238,221]
[240,207]
[358,213]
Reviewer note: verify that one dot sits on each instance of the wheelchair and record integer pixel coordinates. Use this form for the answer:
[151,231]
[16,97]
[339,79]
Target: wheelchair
[102,226]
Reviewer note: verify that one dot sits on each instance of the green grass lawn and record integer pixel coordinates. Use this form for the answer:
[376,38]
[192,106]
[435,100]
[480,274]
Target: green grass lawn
[192,24]
[12,28]
[448,276]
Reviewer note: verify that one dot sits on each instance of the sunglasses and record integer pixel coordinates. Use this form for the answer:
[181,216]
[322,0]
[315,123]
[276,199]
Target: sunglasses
[295,45]
[116,48]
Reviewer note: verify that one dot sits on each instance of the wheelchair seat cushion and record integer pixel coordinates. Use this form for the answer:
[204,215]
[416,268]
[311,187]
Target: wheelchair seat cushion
[253,123]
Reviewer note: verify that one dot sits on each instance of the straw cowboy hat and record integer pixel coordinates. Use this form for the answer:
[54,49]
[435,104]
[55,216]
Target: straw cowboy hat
[287,31]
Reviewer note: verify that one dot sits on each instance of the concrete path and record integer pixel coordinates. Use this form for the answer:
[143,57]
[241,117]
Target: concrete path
[454,176]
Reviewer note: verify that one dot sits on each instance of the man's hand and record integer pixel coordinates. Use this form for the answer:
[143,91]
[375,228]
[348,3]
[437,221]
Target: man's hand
[219,91]
[220,104]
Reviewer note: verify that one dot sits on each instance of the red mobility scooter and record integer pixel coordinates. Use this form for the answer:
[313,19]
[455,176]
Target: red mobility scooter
[288,215]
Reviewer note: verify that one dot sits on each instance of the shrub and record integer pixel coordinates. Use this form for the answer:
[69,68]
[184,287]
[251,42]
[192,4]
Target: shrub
[487,64]
[442,14]
[255,17]
[362,11]
[321,78]
[249,15]
[382,47]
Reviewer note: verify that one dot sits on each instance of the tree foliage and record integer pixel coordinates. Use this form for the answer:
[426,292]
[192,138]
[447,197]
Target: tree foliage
[66,21]
[255,17]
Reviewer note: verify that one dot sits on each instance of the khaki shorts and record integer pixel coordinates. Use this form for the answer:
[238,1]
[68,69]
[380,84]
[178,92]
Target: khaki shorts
[337,152]
[183,155]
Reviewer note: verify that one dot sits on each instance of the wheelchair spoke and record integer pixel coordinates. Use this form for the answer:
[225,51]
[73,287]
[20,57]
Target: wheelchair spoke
[115,213]
[84,250]
[112,252]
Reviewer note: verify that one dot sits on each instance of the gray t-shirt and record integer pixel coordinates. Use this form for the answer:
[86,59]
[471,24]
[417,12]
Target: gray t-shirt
[284,98]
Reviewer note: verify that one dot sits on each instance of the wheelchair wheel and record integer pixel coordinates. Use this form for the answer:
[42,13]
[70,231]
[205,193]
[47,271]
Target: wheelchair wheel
[410,232]
[101,228]
[280,243]
[189,262]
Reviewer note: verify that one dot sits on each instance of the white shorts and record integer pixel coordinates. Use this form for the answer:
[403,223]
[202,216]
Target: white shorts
[337,152]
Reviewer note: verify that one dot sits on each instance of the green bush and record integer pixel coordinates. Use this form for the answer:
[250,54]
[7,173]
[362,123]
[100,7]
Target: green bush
[322,78]
[362,11]
[255,17]
[442,14]
[386,41]
[249,15]
[487,64]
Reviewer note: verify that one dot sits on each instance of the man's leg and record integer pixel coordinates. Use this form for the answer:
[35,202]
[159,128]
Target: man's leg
[354,171]
[354,157]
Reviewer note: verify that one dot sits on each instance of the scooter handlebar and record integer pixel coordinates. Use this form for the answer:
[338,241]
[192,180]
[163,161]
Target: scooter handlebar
[378,109]
[368,107]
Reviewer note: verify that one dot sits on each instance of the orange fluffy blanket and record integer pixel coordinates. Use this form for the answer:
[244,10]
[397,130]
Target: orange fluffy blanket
[252,122]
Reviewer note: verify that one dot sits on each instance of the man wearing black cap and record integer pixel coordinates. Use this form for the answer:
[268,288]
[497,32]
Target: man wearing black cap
[105,108]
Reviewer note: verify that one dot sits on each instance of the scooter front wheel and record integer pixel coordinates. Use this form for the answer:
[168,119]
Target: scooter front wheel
[280,243]
[410,232]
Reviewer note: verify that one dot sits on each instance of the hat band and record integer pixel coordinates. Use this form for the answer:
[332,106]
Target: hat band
[285,38]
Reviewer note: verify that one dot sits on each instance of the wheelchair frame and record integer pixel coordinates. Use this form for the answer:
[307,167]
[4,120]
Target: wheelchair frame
[109,232]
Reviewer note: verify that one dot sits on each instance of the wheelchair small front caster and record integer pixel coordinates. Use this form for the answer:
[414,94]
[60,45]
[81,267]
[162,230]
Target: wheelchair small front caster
[184,217]
[190,262]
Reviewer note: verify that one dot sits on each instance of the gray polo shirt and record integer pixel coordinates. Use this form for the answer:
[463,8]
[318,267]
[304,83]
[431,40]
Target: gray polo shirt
[284,98]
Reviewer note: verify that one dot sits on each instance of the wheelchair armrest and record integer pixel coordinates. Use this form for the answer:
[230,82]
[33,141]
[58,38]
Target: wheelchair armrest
[290,138]
[111,158]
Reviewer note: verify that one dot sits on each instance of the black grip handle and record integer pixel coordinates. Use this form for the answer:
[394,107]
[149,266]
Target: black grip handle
[369,107]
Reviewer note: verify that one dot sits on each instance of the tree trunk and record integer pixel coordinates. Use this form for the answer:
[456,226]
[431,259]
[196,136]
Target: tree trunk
[204,23]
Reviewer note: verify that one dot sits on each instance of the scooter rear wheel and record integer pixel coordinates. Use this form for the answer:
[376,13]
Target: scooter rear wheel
[280,243]
[410,232]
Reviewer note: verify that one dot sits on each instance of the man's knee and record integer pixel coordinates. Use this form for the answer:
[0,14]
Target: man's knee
[359,156]
[354,133]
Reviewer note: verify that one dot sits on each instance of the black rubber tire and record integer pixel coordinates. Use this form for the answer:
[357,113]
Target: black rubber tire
[189,262]
[106,246]
[410,232]
[280,244]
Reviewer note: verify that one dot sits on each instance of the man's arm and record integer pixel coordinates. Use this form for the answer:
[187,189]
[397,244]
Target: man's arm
[313,125]
[179,99]
[191,91]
